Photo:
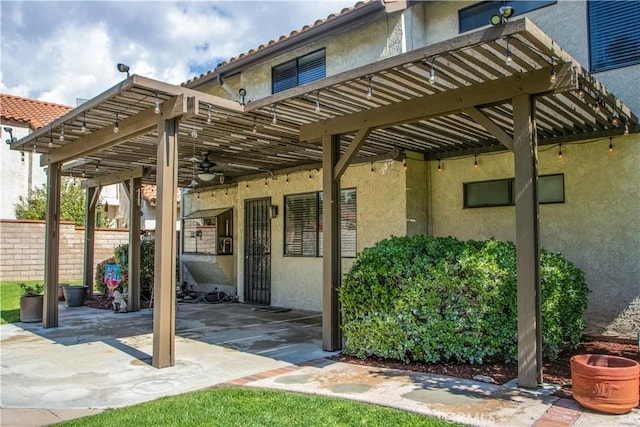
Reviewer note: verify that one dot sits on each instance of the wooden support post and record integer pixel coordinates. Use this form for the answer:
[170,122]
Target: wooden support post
[134,243]
[164,295]
[331,333]
[527,244]
[52,246]
[92,194]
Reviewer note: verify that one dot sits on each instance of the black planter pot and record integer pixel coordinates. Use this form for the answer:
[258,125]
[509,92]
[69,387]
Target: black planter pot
[75,295]
[31,309]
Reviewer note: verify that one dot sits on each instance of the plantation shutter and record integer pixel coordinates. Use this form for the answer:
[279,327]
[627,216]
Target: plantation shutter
[614,38]
[301,224]
[311,67]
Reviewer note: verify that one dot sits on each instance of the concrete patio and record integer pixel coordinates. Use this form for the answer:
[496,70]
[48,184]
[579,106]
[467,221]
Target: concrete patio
[98,359]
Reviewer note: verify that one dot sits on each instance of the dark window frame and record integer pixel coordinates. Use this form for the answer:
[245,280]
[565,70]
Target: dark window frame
[511,190]
[603,34]
[317,239]
[294,68]
[479,14]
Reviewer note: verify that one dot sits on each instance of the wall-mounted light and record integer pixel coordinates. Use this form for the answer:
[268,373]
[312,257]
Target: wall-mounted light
[504,13]
[123,68]
[11,139]
[274,211]
[116,125]
[156,108]
[242,92]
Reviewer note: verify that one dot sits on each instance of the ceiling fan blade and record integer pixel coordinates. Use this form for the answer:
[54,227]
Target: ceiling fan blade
[195,160]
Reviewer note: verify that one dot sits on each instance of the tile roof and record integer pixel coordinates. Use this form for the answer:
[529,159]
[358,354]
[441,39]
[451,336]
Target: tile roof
[34,113]
[284,37]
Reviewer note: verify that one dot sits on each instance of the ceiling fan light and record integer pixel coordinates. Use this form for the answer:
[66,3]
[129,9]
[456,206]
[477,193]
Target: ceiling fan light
[206,176]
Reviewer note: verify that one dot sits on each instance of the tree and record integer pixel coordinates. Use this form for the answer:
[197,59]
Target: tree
[72,204]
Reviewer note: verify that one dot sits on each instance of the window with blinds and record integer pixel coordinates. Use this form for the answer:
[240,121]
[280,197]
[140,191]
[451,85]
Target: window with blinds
[614,39]
[303,224]
[299,71]
[479,14]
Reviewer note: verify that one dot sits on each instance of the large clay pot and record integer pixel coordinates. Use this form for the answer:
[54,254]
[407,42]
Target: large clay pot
[605,383]
[75,295]
[31,308]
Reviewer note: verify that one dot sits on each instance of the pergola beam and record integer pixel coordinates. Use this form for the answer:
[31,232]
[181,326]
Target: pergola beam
[445,103]
[350,153]
[116,178]
[489,125]
[129,128]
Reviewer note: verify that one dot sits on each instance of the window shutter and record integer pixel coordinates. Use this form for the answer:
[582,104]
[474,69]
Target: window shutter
[312,67]
[301,232]
[614,39]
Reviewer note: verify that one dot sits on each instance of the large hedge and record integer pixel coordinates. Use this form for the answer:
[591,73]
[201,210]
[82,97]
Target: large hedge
[438,299]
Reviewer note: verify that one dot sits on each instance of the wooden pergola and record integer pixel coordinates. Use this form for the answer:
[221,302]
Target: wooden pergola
[474,103]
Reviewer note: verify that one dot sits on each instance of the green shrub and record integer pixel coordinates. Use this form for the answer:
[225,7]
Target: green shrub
[437,299]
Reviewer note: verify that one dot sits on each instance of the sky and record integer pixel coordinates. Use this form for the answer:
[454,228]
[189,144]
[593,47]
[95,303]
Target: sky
[65,51]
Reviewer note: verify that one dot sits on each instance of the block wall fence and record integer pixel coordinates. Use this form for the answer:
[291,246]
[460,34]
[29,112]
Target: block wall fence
[22,249]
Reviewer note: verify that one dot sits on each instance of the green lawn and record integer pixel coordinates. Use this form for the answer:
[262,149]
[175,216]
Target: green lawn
[10,300]
[235,406]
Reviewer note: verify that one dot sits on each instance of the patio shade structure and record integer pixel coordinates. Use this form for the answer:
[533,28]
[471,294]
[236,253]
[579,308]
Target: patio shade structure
[474,103]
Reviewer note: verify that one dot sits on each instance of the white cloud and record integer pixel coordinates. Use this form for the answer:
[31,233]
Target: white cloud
[59,51]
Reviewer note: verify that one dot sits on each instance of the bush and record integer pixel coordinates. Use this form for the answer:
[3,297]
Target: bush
[437,299]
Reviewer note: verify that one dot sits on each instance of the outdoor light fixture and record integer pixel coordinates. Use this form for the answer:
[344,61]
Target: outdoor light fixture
[266,184]
[475,161]
[610,144]
[581,91]
[509,58]
[626,128]
[255,128]
[51,138]
[98,167]
[597,106]
[432,72]
[242,92]
[123,68]
[553,75]
[560,151]
[209,115]
[439,166]
[206,176]
[156,108]
[504,13]
[373,171]
[369,89]
[11,139]
[615,121]
[35,148]
[194,132]
[310,176]
[274,211]
[317,102]
[62,133]
[116,125]
[404,164]
[274,120]
[83,129]
[287,180]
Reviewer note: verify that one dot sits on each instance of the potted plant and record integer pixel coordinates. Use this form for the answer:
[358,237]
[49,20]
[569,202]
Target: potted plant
[31,302]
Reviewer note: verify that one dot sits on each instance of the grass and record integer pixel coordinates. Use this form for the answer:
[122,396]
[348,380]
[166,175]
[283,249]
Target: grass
[235,406]
[10,300]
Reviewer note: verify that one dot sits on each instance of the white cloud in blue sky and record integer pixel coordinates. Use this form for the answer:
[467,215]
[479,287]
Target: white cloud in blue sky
[59,51]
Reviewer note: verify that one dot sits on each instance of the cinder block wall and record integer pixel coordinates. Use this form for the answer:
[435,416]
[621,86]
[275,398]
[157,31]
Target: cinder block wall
[22,249]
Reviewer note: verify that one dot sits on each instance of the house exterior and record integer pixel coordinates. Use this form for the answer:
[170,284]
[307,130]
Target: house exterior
[592,188]
[20,172]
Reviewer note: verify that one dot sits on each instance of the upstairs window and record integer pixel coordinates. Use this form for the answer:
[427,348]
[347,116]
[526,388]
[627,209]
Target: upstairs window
[299,71]
[614,36]
[479,15]
[303,224]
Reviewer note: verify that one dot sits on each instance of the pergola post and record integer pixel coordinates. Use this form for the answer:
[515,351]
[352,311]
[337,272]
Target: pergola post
[527,243]
[165,246]
[52,246]
[92,195]
[331,333]
[134,185]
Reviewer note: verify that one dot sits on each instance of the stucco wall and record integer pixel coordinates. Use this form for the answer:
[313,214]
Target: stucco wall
[597,228]
[22,249]
[17,178]
[296,282]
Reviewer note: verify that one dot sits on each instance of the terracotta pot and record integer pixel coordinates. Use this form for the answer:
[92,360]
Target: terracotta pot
[605,383]
[31,308]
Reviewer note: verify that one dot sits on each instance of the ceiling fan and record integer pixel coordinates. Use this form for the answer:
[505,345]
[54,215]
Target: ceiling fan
[206,167]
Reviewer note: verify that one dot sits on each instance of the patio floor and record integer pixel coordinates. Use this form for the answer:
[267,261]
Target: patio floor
[98,359]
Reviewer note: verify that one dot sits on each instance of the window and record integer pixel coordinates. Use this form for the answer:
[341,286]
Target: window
[614,39]
[303,224]
[500,192]
[479,15]
[299,71]
[208,231]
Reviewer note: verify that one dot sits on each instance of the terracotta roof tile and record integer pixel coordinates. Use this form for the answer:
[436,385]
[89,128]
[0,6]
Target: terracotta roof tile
[285,37]
[34,113]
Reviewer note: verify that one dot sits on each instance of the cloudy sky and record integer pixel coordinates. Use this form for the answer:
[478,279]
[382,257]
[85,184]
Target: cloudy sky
[59,51]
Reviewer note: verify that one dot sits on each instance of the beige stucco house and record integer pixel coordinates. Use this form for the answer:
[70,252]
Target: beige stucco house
[387,118]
